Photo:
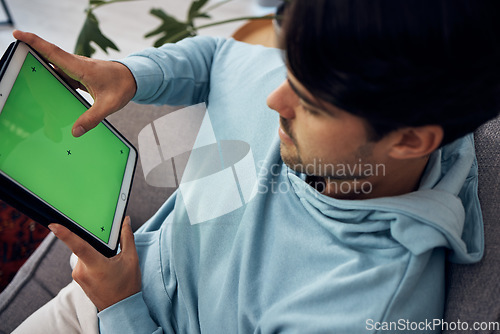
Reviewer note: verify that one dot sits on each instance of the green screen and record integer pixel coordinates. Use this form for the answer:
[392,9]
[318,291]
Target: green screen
[80,177]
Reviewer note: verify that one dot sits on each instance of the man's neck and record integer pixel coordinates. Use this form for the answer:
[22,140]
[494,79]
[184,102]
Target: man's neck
[399,178]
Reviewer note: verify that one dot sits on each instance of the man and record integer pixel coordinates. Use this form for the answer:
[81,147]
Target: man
[371,147]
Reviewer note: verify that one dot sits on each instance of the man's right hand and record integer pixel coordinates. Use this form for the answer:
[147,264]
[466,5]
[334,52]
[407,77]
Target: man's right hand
[110,84]
[106,281]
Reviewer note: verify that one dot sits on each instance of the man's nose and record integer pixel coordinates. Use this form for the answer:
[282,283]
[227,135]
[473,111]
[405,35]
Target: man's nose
[283,100]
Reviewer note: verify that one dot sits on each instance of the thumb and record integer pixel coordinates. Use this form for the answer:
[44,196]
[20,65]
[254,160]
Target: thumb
[127,242]
[89,120]
[82,249]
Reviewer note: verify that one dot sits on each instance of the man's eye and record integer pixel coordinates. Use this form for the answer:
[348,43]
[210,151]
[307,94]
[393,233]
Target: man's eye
[310,111]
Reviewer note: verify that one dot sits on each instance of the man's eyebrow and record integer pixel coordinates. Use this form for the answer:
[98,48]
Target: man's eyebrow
[302,96]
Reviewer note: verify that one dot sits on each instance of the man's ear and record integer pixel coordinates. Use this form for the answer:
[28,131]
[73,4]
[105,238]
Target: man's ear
[416,142]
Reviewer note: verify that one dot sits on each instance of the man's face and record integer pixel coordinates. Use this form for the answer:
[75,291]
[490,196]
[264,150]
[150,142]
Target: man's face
[320,139]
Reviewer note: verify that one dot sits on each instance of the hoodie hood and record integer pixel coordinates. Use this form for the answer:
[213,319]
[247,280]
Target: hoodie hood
[443,212]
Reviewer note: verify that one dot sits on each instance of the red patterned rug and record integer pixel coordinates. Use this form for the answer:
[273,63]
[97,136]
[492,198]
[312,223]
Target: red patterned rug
[19,237]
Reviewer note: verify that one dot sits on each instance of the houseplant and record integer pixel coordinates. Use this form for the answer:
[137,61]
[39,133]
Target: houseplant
[170,30]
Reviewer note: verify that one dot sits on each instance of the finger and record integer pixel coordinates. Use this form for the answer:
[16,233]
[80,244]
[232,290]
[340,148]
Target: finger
[104,105]
[68,67]
[49,51]
[87,121]
[101,109]
[127,242]
[82,249]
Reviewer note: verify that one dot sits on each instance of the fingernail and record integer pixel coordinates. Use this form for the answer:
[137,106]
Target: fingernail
[53,228]
[78,131]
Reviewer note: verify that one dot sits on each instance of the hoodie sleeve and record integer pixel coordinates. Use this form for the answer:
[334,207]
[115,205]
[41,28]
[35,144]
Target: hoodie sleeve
[174,74]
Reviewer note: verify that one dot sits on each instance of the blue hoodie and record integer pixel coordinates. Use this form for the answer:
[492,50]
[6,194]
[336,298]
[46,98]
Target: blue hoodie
[278,256]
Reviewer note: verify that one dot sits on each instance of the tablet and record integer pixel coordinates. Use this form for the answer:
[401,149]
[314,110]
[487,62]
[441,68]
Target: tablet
[82,183]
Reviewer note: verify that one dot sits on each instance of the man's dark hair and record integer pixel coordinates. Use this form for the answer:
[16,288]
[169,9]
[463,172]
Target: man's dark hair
[399,63]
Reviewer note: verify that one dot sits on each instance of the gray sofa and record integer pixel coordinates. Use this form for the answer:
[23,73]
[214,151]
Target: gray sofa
[473,290]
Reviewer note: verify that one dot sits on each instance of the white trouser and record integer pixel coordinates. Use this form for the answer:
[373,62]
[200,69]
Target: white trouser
[71,311]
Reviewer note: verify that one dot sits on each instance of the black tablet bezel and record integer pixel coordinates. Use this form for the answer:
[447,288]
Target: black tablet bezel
[34,207]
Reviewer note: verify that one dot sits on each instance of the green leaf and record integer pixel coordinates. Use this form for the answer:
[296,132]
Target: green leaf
[194,10]
[91,33]
[97,3]
[204,15]
[173,38]
[171,29]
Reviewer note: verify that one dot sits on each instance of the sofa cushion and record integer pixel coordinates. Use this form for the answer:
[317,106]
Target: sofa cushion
[473,290]
[38,281]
